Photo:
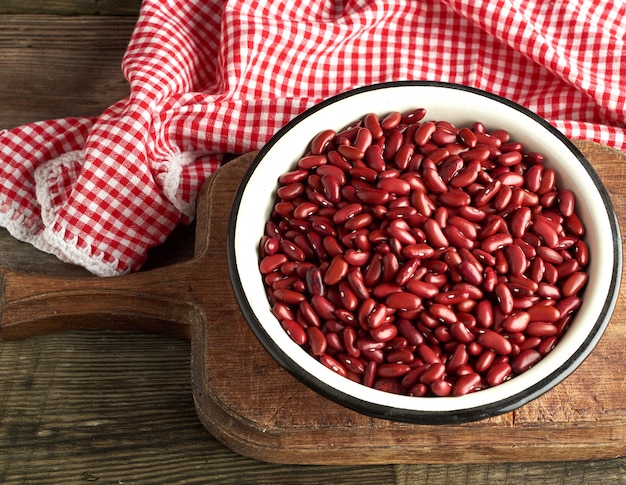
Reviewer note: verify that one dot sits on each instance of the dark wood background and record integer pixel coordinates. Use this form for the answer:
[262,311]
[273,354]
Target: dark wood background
[116,407]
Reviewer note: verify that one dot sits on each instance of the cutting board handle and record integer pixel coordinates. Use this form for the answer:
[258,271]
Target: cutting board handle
[33,304]
[162,300]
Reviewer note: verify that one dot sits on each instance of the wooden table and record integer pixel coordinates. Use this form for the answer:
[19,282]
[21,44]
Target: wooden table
[117,407]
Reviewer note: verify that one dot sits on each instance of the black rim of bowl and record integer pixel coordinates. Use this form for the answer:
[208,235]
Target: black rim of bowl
[410,415]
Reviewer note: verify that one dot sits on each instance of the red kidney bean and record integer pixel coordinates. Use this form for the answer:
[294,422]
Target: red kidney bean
[392,370]
[454,198]
[289,296]
[581,252]
[498,373]
[509,159]
[495,242]
[574,283]
[516,322]
[451,297]
[401,356]
[294,330]
[384,332]
[546,345]
[434,372]
[541,329]
[282,311]
[494,341]
[320,142]
[337,270]
[333,364]
[372,123]
[423,133]
[310,317]
[351,363]
[317,341]
[461,333]
[459,357]
[349,300]
[403,301]
[543,313]
[363,139]
[525,360]
[350,337]
[465,384]
[470,273]
[484,361]
[427,354]
[311,161]
[546,232]
[393,141]
[548,179]
[438,387]
[334,343]
[271,263]
[350,153]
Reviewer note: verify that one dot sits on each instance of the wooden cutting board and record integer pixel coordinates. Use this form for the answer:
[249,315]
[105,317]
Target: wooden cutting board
[256,408]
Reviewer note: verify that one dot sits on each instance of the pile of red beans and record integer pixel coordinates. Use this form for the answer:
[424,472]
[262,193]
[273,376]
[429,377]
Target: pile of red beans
[421,258]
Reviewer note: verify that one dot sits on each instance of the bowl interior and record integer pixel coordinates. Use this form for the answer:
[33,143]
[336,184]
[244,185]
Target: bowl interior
[461,106]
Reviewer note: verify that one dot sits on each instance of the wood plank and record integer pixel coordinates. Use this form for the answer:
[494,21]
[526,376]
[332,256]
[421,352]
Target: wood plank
[52,67]
[71,7]
[113,408]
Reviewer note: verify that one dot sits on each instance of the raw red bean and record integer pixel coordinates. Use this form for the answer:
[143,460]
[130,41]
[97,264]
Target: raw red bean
[317,341]
[434,372]
[509,159]
[504,297]
[337,270]
[294,330]
[484,361]
[439,388]
[498,373]
[525,360]
[272,263]
[546,345]
[423,133]
[384,332]
[403,301]
[402,242]
[347,212]
[495,242]
[541,329]
[494,341]
[363,139]
[333,364]
[466,384]
[289,296]
[574,283]
[392,370]
[516,322]
[321,141]
[372,123]
[461,333]
[350,152]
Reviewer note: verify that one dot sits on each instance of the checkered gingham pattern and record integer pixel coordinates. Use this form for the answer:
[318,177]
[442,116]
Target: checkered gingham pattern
[210,77]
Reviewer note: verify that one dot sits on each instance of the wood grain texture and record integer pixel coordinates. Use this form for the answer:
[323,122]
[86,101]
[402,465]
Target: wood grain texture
[71,7]
[100,406]
[53,67]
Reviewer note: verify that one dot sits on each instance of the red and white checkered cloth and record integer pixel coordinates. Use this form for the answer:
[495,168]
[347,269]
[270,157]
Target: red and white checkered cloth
[210,77]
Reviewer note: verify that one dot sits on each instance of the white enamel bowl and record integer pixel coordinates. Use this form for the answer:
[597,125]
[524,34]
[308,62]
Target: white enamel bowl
[460,105]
